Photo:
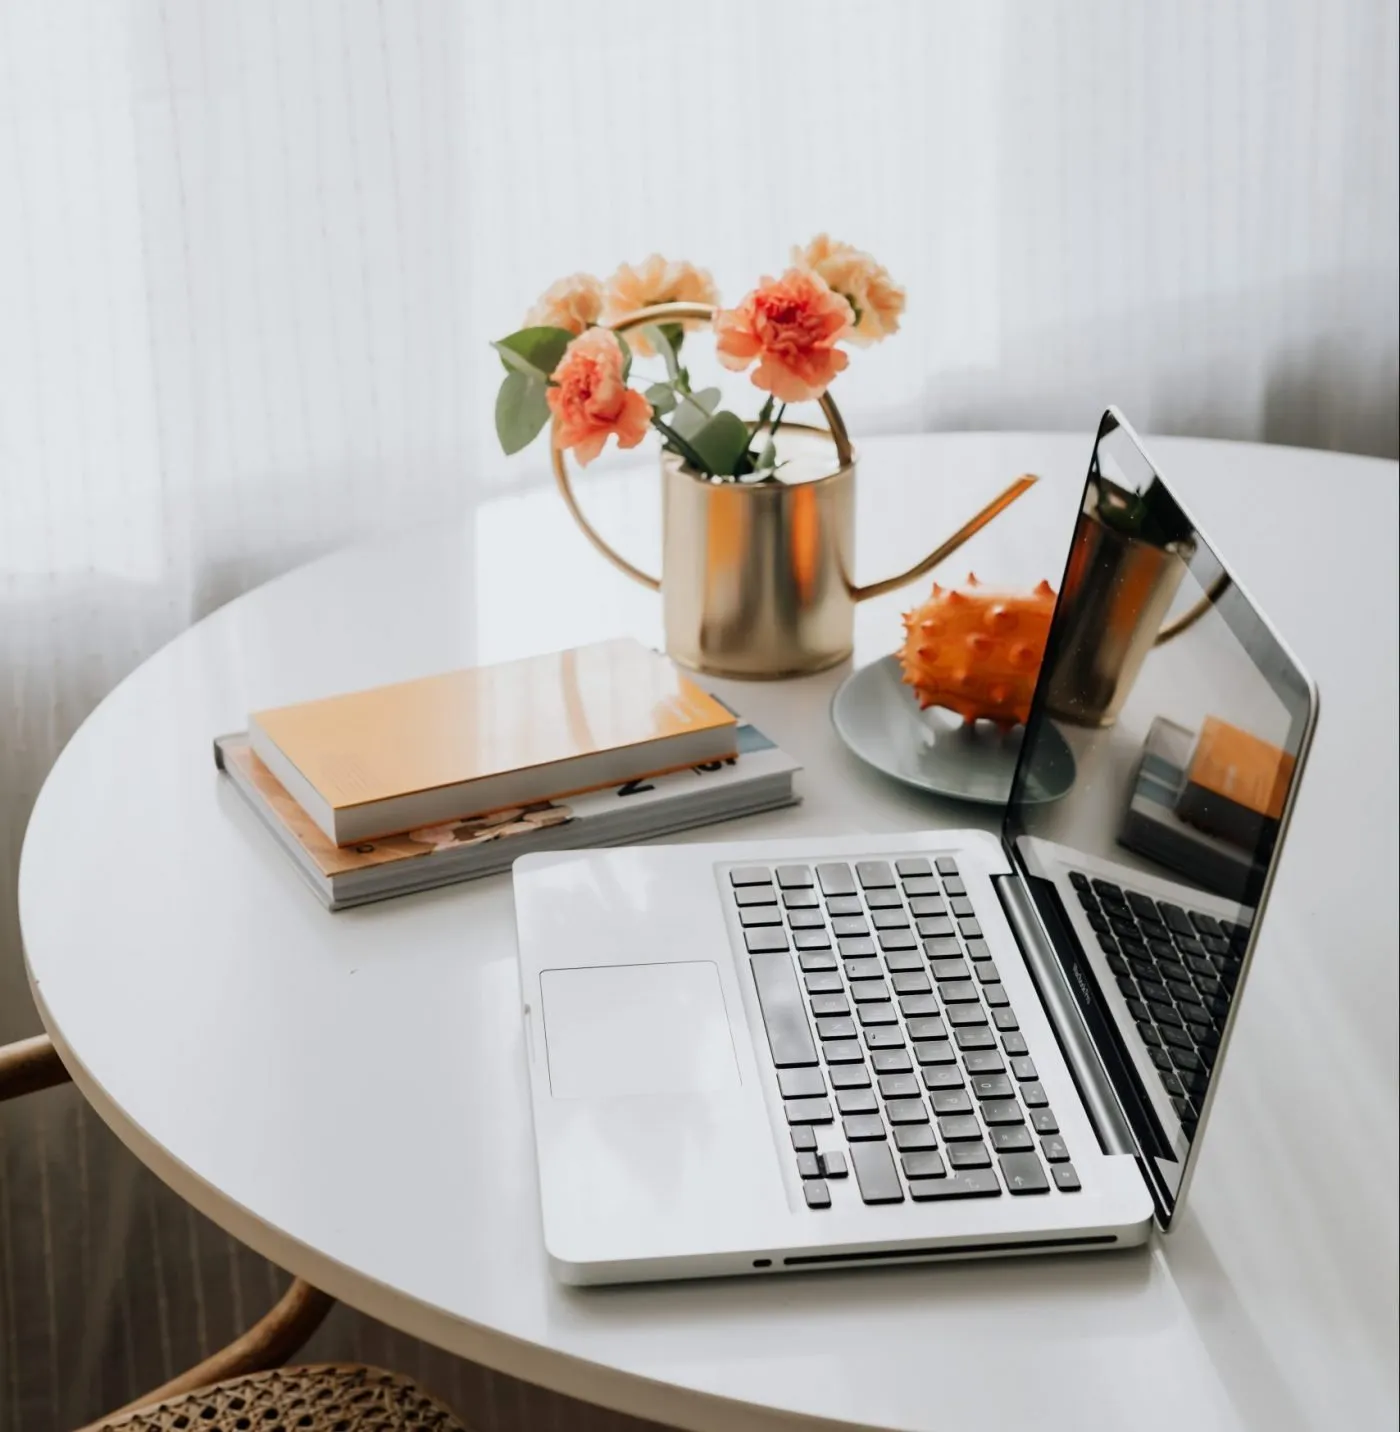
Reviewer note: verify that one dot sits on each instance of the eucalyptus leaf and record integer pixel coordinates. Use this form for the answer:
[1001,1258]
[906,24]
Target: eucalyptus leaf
[535,352]
[695,410]
[657,336]
[626,356]
[722,444]
[521,411]
[661,398]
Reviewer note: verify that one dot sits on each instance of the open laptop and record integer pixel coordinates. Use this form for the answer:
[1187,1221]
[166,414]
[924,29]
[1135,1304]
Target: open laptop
[794,1054]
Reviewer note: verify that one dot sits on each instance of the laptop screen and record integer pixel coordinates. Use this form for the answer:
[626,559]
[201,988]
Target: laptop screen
[1184,722]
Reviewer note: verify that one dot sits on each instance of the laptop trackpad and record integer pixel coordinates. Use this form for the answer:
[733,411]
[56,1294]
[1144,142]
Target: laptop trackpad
[637,1029]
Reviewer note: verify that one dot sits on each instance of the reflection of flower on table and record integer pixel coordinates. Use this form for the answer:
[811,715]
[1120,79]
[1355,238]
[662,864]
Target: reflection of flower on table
[518,820]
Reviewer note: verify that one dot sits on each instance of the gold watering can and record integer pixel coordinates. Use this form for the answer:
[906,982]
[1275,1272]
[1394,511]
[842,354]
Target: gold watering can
[757,575]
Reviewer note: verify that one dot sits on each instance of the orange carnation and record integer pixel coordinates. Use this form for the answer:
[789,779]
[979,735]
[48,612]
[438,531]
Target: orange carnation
[791,325]
[655,280]
[590,398]
[573,303]
[877,300]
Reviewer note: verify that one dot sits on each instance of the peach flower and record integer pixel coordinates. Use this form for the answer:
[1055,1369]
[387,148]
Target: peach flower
[877,300]
[573,303]
[655,280]
[590,398]
[791,325]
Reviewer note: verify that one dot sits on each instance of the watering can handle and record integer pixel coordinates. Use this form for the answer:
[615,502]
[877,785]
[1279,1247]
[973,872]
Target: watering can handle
[704,312]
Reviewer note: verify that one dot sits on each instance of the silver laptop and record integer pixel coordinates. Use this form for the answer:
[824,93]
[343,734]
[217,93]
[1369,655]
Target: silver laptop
[773,1056]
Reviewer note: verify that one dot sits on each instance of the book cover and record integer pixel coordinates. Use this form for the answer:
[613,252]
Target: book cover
[1236,784]
[370,762]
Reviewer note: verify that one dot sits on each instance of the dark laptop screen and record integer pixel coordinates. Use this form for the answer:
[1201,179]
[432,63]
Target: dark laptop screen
[1186,722]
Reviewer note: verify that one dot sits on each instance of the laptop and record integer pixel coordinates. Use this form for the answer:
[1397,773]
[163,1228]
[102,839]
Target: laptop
[775,1056]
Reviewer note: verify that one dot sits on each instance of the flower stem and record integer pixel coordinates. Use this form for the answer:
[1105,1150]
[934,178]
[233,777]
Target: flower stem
[680,445]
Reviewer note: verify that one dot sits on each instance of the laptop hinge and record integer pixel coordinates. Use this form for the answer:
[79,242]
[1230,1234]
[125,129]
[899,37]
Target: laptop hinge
[1091,1078]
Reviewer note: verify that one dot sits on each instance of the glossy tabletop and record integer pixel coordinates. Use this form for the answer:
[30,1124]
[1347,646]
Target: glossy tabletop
[347,1092]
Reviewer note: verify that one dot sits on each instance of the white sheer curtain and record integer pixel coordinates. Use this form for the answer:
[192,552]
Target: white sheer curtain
[251,254]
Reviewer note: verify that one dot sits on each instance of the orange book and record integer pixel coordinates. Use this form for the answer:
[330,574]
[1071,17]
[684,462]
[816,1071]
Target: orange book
[1236,783]
[464,743]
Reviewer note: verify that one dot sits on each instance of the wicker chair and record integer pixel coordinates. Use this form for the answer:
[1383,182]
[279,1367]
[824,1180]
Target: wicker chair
[244,1385]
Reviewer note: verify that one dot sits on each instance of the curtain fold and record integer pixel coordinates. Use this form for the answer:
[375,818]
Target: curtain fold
[251,255]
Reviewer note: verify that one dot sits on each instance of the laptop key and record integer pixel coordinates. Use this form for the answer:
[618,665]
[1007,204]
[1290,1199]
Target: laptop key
[848,1076]
[874,874]
[794,877]
[807,1111]
[766,941]
[1001,1111]
[844,905]
[1206,924]
[846,927]
[1043,1122]
[936,927]
[1143,906]
[992,1086]
[1023,1174]
[824,1004]
[962,1015]
[860,948]
[1079,880]
[897,1086]
[816,961]
[1014,1042]
[876,1176]
[800,899]
[1024,1067]
[806,920]
[856,1101]
[978,1038]
[801,1083]
[950,1101]
[958,992]
[926,905]
[864,968]
[960,1128]
[836,1027]
[1011,1139]
[1066,1180]
[883,900]
[946,865]
[912,1137]
[949,970]
[1034,1095]
[924,887]
[923,1164]
[888,1036]
[961,906]
[870,992]
[891,1061]
[836,879]
[890,919]
[804,1139]
[828,983]
[807,1166]
[969,929]
[817,1194]
[955,886]
[784,1018]
[754,916]
[978,950]
[843,1051]
[986,1062]
[860,1128]
[911,982]
[833,1164]
[995,996]
[935,1051]
[898,940]
[927,1027]
[1055,1149]
[906,1111]
[942,1076]
[882,1013]
[918,1006]
[978,1183]
[963,1156]
[751,895]
[1005,1019]
[750,875]
[811,940]
[987,973]
[904,962]
[906,869]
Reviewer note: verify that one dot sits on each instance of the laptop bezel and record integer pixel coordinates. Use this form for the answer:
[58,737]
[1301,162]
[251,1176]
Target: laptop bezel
[1089,998]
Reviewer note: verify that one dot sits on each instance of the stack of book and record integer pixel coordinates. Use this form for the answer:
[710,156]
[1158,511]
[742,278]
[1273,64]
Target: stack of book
[422,783]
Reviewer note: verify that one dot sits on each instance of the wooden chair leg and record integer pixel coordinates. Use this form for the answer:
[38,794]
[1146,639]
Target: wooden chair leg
[28,1065]
[282,1331]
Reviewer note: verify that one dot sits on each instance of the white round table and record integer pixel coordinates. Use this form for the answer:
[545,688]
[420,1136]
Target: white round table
[346,1093]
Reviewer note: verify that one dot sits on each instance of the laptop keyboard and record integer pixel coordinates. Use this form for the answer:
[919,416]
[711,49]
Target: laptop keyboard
[1177,969]
[897,1054]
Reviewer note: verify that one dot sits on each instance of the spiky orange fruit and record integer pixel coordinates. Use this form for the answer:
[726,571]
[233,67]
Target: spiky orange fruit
[977,651]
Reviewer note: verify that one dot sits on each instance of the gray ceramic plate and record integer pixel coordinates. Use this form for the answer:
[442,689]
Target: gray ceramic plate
[876,715]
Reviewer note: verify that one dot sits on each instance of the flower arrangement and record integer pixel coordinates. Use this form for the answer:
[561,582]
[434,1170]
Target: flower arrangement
[566,363]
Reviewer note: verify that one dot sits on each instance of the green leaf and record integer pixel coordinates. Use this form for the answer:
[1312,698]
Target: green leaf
[521,411]
[722,444]
[658,336]
[661,398]
[626,356]
[535,352]
[695,410]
